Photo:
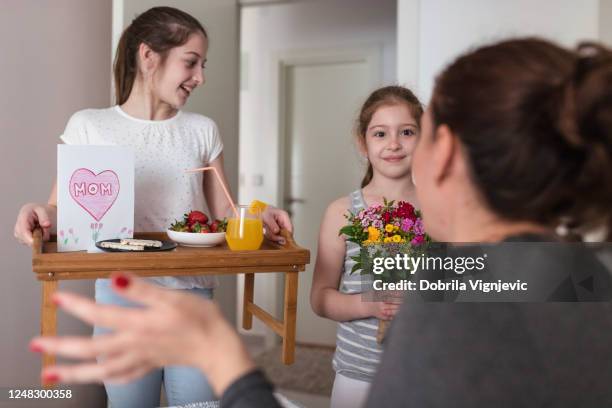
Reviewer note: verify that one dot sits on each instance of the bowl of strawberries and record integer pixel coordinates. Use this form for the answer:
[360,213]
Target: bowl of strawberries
[196,229]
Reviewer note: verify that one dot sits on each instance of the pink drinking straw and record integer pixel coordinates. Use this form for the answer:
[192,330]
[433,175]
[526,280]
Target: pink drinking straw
[227,194]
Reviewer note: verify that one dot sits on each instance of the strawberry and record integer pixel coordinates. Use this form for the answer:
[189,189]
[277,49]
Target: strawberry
[197,217]
[218,226]
[214,226]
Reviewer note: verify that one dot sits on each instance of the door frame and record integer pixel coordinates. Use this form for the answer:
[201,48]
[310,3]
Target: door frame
[283,62]
[371,54]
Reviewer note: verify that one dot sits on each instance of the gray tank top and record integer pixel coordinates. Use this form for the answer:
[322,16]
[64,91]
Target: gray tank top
[357,353]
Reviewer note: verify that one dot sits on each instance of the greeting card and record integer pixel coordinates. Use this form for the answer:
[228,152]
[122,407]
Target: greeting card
[95,195]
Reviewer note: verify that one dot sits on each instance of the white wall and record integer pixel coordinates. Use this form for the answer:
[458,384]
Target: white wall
[55,60]
[268,31]
[218,98]
[447,28]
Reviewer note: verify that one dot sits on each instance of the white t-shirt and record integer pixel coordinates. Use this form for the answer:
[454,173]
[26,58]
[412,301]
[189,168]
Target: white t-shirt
[163,149]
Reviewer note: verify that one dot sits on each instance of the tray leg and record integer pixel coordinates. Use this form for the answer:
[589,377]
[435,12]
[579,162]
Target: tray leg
[249,285]
[290,310]
[48,321]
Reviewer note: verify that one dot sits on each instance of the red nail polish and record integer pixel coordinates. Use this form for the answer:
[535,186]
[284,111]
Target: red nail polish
[56,301]
[36,348]
[50,378]
[121,281]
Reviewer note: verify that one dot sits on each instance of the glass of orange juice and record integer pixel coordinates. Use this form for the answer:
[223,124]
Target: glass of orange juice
[244,232]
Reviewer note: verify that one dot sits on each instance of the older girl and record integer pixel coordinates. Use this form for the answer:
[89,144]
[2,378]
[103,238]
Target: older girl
[159,63]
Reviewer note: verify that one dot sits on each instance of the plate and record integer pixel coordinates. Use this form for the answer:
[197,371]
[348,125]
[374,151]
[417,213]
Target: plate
[194,239]
[166,246]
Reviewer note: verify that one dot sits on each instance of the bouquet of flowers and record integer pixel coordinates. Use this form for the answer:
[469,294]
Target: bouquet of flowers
[384,230]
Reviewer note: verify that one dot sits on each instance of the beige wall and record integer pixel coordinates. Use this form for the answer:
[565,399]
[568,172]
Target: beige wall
[218,98]
[55,59]
[605,22]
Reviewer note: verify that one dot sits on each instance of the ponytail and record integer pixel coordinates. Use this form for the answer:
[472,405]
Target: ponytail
[124,68]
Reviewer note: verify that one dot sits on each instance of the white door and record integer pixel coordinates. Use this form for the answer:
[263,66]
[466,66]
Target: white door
[322,101]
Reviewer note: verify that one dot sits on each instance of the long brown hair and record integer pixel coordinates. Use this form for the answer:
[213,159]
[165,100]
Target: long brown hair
[535,120]
[161,28]
[388,95]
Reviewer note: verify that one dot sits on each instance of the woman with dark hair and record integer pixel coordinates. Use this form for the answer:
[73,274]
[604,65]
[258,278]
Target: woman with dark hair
[517,141]
[159,63]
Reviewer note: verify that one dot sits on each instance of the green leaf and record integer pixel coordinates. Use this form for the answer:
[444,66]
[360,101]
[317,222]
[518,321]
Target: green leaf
[346,230]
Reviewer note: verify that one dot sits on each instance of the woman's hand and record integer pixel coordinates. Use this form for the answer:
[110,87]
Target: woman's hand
[274,219]
[172,328]
[34,215]
[381,310]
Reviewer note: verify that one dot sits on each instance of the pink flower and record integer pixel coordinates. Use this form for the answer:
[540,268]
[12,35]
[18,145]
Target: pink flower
[407,223]
[418,227]
[61,233]
[418,240]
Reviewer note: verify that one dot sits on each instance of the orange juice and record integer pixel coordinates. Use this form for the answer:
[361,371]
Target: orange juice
[244,234]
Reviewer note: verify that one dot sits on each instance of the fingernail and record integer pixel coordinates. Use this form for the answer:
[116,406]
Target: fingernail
[56,300]
[50,378]
[121,281]
[36,348]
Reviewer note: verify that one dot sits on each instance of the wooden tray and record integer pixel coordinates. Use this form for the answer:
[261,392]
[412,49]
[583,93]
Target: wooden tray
[51,266]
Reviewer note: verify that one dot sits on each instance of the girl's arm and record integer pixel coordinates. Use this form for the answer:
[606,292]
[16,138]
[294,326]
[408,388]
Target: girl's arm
[213,192]
[273,218]
[325,298]
[32,215]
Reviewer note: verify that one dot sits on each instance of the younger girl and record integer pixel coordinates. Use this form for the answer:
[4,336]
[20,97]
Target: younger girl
[387,130]
[159,63]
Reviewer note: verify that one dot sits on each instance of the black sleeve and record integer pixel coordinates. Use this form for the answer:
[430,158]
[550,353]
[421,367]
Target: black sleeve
[252,390]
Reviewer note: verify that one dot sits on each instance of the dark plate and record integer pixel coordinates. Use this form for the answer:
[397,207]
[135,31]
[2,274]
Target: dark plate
[166,246]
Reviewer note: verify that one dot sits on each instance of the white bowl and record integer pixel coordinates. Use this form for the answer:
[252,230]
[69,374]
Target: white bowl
[194,239]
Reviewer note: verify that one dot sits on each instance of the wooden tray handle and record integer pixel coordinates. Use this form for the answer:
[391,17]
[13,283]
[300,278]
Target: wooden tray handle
[37,243]
[289,241]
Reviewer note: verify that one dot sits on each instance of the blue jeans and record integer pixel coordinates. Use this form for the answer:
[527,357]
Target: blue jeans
[183,385]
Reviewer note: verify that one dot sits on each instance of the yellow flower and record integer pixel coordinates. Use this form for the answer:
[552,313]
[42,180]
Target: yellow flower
[389,227]
[387,240]
[396,238]
[373,234]
[395,228]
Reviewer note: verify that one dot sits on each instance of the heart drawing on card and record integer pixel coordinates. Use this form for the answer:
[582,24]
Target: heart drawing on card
[95,193]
